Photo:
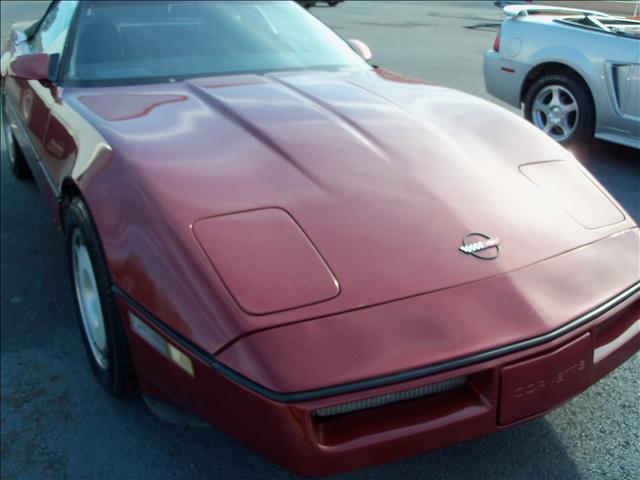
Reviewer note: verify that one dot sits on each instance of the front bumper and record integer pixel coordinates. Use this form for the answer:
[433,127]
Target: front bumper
[292,435]
[589,325]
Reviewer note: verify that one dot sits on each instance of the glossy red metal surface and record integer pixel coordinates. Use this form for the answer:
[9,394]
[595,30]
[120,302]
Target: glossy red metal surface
[375,174]
[574,192]
[127,106]
[440,326]
[267,261]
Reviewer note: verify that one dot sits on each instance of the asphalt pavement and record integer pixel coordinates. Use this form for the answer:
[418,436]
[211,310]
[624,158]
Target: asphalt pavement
[56,422]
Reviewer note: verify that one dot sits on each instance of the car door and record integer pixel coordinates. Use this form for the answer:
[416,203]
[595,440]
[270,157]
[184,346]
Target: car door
[32,102]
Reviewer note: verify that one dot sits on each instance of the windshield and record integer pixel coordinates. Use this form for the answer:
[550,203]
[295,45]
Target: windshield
[117,41]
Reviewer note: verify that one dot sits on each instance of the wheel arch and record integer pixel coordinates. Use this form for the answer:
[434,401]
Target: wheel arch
[557,68]
[119,376]
[68,191]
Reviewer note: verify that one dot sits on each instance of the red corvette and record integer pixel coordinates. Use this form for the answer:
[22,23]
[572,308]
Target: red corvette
[336,265]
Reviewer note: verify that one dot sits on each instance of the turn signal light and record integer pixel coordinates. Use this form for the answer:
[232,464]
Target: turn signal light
[159,344]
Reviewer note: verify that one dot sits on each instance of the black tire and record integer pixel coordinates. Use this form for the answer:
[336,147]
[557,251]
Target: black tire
[582,133]
[19,166]
[118,376]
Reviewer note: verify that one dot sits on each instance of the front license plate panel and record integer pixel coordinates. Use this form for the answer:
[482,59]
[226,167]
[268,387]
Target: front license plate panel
[538,384]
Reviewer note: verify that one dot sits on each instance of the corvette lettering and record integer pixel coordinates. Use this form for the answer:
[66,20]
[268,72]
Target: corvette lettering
[557,378]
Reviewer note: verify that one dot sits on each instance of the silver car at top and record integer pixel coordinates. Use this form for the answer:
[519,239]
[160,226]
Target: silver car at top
[577,72]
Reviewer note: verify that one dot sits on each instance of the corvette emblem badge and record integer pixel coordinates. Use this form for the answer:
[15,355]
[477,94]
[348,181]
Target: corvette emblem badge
[480,246]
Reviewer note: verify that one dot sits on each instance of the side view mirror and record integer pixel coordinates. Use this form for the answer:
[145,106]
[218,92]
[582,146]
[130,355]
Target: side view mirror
[361,48]
[34,66]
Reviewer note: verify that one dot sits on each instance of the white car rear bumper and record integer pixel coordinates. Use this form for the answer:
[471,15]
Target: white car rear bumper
[504,78]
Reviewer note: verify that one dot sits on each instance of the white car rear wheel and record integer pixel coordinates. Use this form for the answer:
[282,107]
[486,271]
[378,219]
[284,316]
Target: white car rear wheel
[560,106]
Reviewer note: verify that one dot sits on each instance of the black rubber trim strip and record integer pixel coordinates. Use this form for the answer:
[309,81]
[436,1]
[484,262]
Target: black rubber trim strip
[378,381]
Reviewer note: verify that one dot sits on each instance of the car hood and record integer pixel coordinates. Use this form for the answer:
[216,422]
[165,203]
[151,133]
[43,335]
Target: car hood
[383,176]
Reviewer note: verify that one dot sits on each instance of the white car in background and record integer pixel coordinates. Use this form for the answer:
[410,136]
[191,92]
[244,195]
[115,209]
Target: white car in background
[577,72]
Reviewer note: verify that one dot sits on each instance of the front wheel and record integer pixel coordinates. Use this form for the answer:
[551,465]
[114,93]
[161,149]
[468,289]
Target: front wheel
[560,106]
[102,330]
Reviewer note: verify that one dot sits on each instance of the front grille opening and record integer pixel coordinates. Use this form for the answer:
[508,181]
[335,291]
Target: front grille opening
[389,398]
[460,399]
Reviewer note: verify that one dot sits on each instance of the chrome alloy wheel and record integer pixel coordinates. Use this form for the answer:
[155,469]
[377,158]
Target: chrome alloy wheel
[555,112]
[88,298]
[8,138]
